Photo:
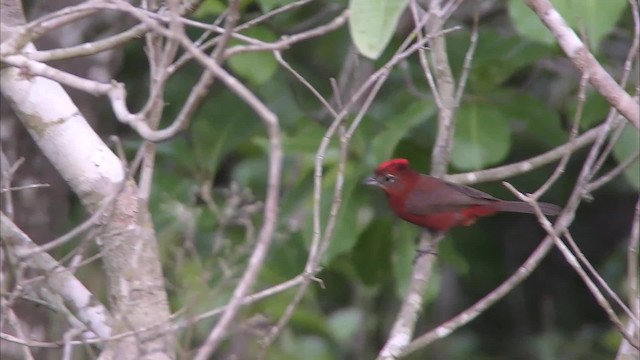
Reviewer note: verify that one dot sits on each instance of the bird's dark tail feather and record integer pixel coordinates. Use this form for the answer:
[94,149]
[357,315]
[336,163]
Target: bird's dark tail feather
[523,207]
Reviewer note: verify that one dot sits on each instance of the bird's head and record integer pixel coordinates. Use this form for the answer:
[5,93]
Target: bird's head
[391,175]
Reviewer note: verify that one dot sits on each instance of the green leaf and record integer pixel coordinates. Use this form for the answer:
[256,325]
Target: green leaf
[498,57]
[268,5]
[541,122]
[255,66]
[449,255]
[347,227]
[286,258]
[482,137]
[372,24]
[218,132]
[372,254]
[404,252]
[628,145]
[595,109]
[345,233]
[313,348]
[344,324]
[209,8]
[593,16]
[398,127]
[527,23]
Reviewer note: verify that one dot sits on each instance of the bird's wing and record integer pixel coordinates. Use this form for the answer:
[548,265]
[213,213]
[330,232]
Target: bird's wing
[451,197]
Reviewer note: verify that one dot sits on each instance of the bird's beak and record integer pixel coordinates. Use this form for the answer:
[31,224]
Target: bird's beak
[371,180]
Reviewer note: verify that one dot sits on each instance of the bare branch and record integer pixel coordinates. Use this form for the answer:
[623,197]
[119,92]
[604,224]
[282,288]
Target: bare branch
[571,260]
[59,280]
[402,331]
[403,328]
[506,171]
[585,61]
[466,67]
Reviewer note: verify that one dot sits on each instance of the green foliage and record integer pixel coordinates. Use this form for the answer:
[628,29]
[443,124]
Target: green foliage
[499,57]
[368,263]
[268,5]
[373,23]
[256,67]
[209,8]
[594,112]
[589,15]
[404,253]
[396,128]
[372,254]
[347,227]
[344,324]
[482,137]
[629,145]
[313,348]
[541,123]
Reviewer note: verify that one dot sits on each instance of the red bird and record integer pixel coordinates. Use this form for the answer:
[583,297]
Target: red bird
[439,205]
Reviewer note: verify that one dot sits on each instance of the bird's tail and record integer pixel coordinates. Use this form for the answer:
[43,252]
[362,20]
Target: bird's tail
[523,207]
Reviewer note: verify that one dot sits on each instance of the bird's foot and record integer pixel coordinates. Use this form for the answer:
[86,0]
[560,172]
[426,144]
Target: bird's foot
[422,252]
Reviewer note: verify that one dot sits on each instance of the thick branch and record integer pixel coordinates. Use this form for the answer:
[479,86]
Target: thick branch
[585,61]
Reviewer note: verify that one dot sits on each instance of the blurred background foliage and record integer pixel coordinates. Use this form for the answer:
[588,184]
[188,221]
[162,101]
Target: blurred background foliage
[519,101]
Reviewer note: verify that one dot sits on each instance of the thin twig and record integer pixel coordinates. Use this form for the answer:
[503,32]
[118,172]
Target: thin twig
[278,55]
[573,262]
[521,167]
[604,179]
[468,58]
[15,324]
[402,330]
[572,137]
[420,16]
[443,144]
[481,305]
[564,220]
[578,253]
[103,209]
[585,61]
[632,261]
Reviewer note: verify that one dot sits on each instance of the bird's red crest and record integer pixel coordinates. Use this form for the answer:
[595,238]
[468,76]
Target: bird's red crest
[392,165]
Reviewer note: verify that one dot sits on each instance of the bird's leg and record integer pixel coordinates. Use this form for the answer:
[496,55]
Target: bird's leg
[437,237]
[427,251]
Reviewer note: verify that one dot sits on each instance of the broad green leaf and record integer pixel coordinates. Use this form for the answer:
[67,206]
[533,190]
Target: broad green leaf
[527,23]
[594,112]
[305,142]
[313,348]
[209,8]
[372,254]
[286,258]
[268,5]
[216,132]
[344,324]
[308,319]
[541,121]
[405,245]
[594,16]
[398,127]
[498,57]
[449,255]
[628,145]
[404,252]
[482,137]
[257,67]
[372,24]
[345,233]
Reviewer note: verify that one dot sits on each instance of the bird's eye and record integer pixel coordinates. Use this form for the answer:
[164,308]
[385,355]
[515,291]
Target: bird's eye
[389,178]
